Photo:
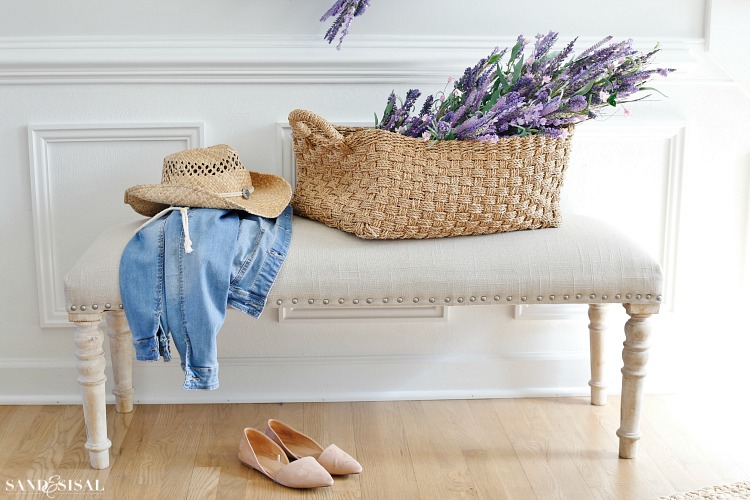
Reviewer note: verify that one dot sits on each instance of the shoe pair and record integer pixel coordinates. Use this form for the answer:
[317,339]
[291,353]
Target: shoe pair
[311,466]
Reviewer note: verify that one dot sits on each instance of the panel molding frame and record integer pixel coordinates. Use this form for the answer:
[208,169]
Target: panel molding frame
[40,136]
[378,314]
[673,134]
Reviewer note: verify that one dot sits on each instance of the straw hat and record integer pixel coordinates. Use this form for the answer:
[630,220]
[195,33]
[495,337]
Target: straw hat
[211,177]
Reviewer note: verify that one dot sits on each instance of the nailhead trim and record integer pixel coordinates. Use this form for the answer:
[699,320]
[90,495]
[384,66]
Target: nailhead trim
[432,300]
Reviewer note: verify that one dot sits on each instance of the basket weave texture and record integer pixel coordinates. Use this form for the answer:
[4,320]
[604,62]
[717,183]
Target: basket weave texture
[382,185]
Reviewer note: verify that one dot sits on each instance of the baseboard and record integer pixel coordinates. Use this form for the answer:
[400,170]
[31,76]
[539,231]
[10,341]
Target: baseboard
[332,378]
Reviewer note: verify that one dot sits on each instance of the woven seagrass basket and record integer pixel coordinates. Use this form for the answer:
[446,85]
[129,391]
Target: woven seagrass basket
[382,185]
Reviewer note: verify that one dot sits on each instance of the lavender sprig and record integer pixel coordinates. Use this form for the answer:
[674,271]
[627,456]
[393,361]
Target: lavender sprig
[344,12]
[539,94]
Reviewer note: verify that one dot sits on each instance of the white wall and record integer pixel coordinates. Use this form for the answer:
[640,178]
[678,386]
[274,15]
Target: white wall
[111,87]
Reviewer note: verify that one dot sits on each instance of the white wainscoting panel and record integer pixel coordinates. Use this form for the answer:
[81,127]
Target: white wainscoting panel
[641,166]
[76,174]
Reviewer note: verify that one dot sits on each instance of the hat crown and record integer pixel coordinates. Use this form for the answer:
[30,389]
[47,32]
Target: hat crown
[195,165]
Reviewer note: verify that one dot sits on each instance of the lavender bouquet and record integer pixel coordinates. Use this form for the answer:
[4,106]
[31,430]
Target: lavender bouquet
[539,93]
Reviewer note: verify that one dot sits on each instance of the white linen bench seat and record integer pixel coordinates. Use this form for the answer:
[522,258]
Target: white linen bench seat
[583,261]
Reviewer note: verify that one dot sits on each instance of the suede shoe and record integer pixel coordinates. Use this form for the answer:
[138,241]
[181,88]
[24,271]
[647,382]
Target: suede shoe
[259,452]
[298,445]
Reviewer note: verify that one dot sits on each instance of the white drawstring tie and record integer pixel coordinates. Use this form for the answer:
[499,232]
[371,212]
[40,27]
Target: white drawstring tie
[187,243]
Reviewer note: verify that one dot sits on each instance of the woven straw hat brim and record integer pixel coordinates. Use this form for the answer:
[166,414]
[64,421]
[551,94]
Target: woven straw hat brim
[270,197]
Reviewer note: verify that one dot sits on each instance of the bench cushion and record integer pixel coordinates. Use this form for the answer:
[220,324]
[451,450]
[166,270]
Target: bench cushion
[582,261]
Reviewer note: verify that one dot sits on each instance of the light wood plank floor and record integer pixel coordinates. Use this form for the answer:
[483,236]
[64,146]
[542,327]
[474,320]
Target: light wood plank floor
[490,449]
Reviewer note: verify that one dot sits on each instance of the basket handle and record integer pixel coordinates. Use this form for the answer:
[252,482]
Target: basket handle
[300,118]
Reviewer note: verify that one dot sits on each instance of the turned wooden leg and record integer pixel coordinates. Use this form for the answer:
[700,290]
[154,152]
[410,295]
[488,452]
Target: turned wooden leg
[121,354]
[88,339]
[634,357]
[596,332]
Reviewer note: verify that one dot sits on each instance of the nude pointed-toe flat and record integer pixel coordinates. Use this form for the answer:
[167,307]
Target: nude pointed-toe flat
[259,452]
[298,445]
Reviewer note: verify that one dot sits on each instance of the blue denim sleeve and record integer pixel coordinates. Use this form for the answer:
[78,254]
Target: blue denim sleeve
[262,245]
[142,292]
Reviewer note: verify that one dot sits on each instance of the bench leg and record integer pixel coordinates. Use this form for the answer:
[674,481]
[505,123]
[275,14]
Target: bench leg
[121,354]
[596,333]
[88,340]
[634,357]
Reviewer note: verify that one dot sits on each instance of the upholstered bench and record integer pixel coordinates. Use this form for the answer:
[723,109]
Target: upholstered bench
[582,262]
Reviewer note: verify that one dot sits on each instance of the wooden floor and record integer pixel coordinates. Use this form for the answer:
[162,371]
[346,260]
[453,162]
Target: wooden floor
[493,449]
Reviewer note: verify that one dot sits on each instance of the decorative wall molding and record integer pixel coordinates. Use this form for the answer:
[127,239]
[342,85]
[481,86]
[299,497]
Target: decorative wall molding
[745,285]
[48,240]
[263,59]
[399,314]
[549,311]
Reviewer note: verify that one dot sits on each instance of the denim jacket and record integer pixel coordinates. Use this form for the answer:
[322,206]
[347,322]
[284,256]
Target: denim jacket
[169,288]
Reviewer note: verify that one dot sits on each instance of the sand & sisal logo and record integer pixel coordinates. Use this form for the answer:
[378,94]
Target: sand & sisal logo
[53,486]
